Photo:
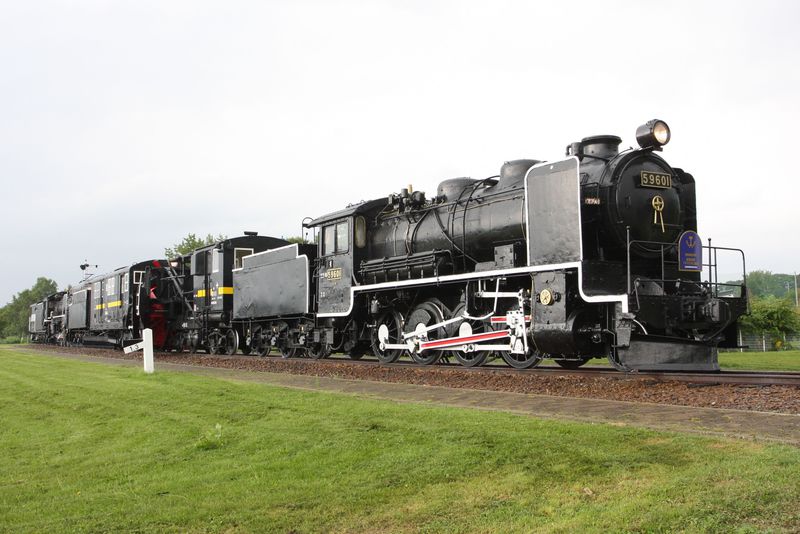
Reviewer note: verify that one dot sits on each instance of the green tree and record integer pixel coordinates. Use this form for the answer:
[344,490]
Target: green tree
[771,315]
[298,239]
[14,315]
[764,283]
[190,243]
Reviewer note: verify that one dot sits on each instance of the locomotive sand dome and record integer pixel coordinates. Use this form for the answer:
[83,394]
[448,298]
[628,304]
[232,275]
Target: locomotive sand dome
[568,259]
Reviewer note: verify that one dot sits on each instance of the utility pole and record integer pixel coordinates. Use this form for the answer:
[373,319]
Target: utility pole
[796,303]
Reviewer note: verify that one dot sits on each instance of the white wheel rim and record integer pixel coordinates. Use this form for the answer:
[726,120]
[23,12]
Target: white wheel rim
[383,335]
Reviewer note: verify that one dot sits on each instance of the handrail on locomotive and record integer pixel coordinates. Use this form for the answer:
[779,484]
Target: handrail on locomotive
[712,283]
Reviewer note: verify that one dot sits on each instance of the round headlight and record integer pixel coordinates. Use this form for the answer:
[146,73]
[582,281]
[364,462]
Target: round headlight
[653,134]
[661,132]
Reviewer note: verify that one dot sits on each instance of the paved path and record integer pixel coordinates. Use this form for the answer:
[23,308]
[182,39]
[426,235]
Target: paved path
[711,421]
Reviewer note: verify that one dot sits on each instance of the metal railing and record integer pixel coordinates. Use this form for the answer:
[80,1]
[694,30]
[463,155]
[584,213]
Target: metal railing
[669,256]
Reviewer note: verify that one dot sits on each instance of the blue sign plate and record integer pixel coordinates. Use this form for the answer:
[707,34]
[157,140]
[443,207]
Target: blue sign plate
[690,252]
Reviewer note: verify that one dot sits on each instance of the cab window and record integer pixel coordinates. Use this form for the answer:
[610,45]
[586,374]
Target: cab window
[329,240]
[335,238]
[215,257]
[342,237]
[238,256]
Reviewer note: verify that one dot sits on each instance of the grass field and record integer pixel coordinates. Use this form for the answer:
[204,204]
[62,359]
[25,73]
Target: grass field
[88,447]
[787,360]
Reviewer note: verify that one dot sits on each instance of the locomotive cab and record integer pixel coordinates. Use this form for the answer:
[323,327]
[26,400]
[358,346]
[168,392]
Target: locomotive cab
[341,248]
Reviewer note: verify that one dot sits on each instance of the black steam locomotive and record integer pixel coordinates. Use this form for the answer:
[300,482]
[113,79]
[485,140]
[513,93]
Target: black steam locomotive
[595,254]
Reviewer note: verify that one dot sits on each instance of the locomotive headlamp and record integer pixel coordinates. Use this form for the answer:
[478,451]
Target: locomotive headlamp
[653,134]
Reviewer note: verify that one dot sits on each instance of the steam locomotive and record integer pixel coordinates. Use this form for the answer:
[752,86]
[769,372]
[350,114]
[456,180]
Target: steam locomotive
[595,254]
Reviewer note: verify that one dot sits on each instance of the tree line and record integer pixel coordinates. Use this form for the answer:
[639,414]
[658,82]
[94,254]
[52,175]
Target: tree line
[773,309]
[766,283]
[14,315]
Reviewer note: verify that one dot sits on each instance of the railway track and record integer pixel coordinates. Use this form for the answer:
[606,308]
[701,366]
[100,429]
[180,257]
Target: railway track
[752,378]
[741,378]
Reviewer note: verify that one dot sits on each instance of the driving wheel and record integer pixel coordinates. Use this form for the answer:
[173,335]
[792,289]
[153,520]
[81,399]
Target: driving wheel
[426,314]
[388,329]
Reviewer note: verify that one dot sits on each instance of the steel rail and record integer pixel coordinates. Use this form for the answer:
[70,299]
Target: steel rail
[743,378]
[758,378]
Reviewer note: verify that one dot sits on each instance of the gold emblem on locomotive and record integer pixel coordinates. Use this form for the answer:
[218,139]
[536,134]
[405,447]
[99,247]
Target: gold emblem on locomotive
[658,208]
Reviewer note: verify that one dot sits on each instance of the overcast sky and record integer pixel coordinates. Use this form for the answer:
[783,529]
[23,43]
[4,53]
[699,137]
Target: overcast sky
[126,125]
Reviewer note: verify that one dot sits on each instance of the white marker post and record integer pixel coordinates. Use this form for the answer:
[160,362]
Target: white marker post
[147,344]
[149,365]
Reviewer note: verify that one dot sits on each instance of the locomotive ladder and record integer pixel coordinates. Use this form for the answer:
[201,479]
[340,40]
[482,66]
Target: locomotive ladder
[173,275]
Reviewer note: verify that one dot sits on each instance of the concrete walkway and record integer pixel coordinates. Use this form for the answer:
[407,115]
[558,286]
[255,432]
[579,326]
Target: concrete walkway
[709,421]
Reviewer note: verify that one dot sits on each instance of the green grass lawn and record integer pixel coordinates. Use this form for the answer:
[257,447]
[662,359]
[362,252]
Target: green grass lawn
[89,447]
[787,360]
